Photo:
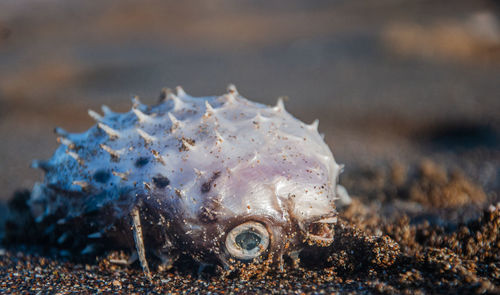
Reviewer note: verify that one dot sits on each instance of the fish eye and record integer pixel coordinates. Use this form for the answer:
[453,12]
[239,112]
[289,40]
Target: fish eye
[248,240]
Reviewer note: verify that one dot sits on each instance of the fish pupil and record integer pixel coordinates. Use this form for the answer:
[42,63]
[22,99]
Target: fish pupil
[248,240]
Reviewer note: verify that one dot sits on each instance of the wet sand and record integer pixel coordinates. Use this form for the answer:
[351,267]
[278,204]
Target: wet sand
[422,232]
[414,120]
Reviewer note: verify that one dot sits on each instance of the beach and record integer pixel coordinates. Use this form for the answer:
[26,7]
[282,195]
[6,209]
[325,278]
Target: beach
[406,93]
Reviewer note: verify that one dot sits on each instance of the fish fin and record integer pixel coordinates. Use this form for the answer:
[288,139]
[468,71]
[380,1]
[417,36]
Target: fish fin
[139,241]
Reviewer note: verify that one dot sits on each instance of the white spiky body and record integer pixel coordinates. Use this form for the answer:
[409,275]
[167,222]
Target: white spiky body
[255,159]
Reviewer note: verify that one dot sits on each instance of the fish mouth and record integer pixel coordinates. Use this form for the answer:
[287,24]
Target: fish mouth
[321,232]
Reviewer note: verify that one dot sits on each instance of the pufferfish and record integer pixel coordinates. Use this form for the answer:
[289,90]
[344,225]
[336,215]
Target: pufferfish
[221,178]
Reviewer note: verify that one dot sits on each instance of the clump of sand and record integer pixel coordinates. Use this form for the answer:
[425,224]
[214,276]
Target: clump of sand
[436,188]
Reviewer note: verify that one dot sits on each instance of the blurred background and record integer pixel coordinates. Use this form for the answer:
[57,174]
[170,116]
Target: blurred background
[390,80]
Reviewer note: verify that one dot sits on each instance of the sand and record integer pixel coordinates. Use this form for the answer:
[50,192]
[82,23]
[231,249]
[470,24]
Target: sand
[406,93]
[411,239]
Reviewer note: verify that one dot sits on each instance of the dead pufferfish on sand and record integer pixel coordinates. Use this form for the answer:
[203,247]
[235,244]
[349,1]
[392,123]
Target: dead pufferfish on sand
[219,178]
